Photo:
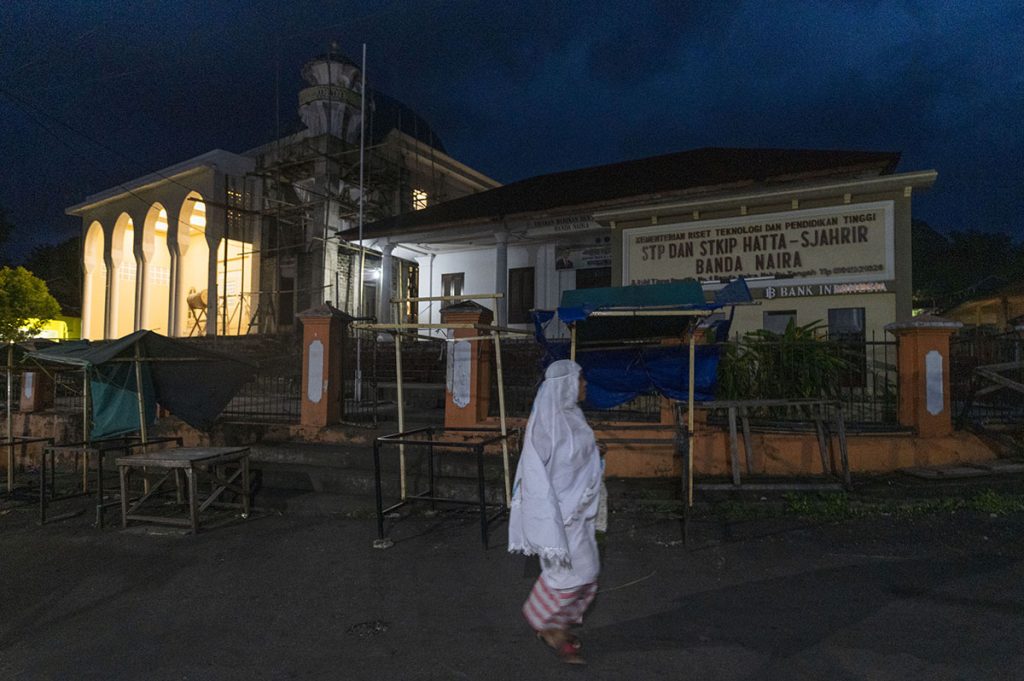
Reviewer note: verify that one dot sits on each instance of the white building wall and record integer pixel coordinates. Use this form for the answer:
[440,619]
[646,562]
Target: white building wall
[478,266]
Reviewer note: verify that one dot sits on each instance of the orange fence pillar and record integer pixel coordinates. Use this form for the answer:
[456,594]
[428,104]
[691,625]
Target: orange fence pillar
[323,346]
[467,397]
[923,358]
[36,391]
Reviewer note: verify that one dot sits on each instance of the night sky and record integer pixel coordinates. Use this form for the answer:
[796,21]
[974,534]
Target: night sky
[516,89]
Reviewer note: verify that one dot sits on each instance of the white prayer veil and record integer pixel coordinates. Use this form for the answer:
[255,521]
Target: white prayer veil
[559,470]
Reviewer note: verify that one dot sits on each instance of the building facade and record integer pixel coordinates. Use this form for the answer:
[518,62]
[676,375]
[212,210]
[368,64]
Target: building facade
[228,244]
[820,236]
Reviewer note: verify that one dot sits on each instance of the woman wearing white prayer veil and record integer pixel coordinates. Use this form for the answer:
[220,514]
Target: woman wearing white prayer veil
[554,508]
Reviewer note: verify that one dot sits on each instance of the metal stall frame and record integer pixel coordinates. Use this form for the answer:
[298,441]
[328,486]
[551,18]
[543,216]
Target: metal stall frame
[11,440]
[97,450]
[90,448]
[690,408]
[409,438]
[491,332]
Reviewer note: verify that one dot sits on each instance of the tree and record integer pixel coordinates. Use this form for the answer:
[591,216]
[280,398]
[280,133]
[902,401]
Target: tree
[25,304]
[931,264]
[6,229]
[60,267]
[951,269]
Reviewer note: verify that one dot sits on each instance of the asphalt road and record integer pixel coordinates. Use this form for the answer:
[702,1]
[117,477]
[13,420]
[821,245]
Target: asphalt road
[276,597]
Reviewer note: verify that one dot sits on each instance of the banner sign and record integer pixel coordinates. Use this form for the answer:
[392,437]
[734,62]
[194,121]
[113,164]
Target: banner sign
[568,224]
[773,291]
[850,243]
[583,257]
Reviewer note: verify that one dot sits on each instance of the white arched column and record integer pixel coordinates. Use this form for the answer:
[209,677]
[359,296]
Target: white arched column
[174,272]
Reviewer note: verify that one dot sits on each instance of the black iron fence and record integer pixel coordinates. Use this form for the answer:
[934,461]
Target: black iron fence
[363,398]
[275,392]
[68,390]
[859,375]
[523,370]
[424,364]
[65,388]
[271,396]
[987,378]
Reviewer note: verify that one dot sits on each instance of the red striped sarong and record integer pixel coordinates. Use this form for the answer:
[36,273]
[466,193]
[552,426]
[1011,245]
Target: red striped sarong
[548,608]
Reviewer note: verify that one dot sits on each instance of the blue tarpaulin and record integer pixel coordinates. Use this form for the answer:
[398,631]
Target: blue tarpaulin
[619,374]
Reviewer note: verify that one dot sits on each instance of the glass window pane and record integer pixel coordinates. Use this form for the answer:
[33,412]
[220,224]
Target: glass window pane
[846,322]
[777,321]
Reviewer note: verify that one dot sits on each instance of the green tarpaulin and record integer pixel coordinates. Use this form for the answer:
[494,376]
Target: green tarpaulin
[192,383]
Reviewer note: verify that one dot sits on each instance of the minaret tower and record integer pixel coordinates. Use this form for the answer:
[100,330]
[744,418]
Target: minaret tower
[331,103]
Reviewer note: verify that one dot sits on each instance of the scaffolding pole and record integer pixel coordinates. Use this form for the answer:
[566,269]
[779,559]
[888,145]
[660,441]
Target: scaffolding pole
[689,419]
[401,410]
[501,416]
[358,391]
[10,417]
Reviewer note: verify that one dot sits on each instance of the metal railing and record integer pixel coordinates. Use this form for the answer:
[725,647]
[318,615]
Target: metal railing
[975,359]
[268,397]
[523,371]
[67,388]
[858,375]
[362,394]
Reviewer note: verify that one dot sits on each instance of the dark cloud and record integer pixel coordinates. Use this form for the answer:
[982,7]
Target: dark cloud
[517,89]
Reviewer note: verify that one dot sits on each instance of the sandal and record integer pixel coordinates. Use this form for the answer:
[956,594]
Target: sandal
[566,645]
[563,636]
[569,653]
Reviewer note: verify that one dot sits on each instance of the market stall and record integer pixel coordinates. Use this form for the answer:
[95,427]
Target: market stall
[123,382]
[634,340]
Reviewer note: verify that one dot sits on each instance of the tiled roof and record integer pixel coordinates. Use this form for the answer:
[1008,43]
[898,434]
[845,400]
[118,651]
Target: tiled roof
[669,174]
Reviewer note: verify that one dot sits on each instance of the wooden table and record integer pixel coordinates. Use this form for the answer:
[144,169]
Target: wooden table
[226,468]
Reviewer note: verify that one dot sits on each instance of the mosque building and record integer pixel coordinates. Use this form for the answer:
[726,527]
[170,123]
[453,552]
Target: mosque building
[234,243]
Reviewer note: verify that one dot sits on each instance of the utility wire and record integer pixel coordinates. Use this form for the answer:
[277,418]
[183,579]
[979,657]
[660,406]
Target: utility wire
[37,117]
[59,138]
[37,114]
[48,52]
